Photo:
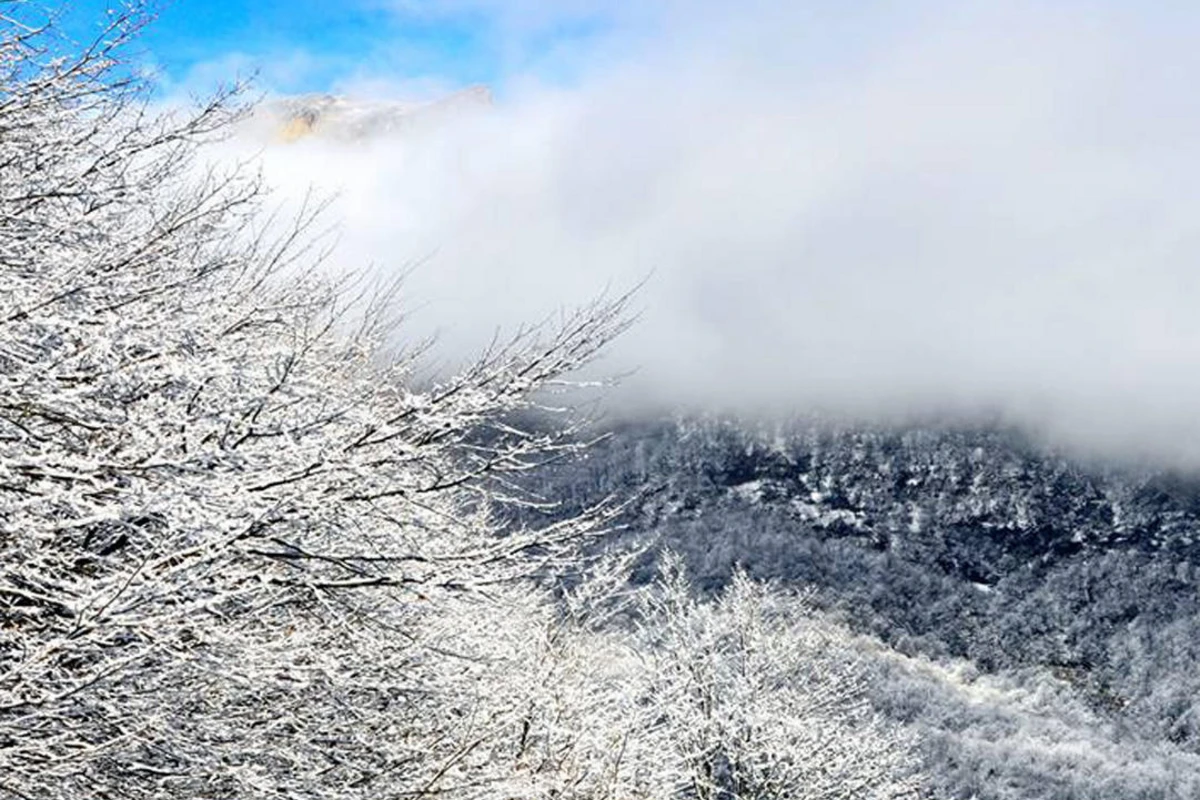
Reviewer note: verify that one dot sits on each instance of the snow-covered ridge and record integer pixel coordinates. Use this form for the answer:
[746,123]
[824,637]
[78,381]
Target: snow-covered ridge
[289,119]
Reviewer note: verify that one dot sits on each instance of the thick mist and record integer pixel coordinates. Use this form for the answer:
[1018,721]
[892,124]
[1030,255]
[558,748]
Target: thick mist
[953,208]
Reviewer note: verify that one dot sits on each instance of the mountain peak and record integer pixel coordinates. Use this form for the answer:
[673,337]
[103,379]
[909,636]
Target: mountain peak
[345,118]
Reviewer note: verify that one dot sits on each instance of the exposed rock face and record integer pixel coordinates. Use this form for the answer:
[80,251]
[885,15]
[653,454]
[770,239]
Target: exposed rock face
[341,118]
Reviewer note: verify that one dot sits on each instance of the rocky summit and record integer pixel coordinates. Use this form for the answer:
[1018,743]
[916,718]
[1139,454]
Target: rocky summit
[291,119]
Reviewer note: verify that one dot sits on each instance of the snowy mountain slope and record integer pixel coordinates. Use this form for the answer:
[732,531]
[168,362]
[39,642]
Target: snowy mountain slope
[341,118]
[947,542]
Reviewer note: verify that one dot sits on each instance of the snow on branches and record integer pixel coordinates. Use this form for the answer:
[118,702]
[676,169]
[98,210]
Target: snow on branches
[243,554]
[215,490]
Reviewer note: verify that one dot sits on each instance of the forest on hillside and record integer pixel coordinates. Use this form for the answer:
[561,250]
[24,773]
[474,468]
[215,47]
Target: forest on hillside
[1039,612]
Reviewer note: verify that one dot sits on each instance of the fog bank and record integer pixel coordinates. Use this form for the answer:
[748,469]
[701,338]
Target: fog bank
[952,207]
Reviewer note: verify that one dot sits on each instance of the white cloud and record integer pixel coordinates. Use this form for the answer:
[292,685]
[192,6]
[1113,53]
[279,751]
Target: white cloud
[949,206]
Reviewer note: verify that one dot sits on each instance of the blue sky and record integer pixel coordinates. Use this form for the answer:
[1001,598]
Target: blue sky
[317,45]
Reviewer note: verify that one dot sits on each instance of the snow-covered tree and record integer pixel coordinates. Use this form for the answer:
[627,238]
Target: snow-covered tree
[654,693]
[243,553]
[763,698]
[225,513]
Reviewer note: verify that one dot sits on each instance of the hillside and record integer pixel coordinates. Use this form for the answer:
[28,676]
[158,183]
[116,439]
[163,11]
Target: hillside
[971,546]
